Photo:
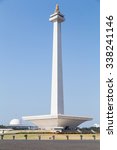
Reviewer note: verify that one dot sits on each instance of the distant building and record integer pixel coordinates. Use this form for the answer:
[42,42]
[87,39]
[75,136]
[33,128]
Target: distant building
[16,124]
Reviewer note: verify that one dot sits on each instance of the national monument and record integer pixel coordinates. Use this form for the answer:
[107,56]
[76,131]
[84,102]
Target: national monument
[57,119]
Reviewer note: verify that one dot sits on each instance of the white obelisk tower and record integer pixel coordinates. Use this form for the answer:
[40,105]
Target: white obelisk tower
[57,102]
[56,119]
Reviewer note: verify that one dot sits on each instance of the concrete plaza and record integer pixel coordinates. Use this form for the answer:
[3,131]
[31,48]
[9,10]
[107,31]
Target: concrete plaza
[49,145]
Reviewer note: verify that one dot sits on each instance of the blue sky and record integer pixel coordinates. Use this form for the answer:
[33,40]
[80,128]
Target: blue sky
[26,57]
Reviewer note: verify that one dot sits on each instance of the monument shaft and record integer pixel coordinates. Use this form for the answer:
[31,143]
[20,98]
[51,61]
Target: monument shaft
[57,102]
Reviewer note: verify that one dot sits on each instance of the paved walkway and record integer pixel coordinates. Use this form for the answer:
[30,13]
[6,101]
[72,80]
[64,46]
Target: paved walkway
[49,145]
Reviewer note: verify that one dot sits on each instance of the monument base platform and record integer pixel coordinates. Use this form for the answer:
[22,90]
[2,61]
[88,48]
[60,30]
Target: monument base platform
[61,121]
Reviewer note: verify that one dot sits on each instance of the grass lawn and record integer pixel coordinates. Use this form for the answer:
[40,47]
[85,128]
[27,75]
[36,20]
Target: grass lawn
[36,136]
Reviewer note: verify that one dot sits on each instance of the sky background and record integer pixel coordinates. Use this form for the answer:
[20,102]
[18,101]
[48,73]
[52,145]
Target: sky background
[26,58]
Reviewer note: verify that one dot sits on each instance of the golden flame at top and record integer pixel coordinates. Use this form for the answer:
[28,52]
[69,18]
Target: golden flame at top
[57,8]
